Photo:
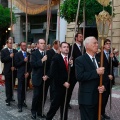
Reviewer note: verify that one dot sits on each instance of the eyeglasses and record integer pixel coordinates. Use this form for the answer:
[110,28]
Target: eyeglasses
[107,43]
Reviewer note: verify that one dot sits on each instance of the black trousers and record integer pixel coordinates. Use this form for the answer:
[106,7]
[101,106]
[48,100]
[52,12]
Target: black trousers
[37,100]
[58,102]
[105,97]
[8,87]
[52,89]
[21,92]
[89,112]
[71,88]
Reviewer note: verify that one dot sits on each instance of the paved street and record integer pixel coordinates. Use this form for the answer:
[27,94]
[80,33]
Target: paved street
[10,113]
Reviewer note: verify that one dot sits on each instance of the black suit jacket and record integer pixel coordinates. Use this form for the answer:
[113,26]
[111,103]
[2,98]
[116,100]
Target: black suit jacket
[87,75]
[108,69]
[76,53]
[37,68]
[58,72]
[7,60]
[50,54]
[21,65]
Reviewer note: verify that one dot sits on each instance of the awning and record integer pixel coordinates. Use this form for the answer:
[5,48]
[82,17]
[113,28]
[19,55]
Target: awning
[33,6]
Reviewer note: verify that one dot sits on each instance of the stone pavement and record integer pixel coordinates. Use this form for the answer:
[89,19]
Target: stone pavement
[10,112]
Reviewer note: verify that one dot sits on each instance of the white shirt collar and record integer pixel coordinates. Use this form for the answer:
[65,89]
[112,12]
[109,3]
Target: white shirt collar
[54,49]
[64,56]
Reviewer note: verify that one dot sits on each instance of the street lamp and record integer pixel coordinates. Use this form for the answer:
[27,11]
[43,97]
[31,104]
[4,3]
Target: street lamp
[9,28]
[103,21]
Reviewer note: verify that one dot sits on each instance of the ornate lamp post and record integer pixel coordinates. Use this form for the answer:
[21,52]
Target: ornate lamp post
[103,21]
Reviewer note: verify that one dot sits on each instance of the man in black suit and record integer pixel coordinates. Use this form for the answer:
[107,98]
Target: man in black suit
[22,63]
[77,51]
[59,72]
[50,53]
[108,76]
[87,73]
[7,57]
[38,59]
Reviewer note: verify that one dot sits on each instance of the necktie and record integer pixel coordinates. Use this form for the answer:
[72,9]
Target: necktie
[11,51]
[24,54]
[42,53]
[107,55]
[80,48]
[93,59]
[66,62]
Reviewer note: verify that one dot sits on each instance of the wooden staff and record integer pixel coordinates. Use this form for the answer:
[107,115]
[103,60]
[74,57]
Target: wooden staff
[11,33]
[47,35]
[26,50]
[111,58]
[69,67]
[101,76]
[83,27]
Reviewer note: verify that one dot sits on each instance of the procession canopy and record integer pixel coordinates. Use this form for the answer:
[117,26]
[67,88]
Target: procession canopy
[33,6]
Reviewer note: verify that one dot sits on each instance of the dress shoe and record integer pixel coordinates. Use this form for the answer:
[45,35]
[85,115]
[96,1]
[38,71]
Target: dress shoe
[102,118]
[33,116]
[20,109]
[7,103]
[24,105]
[69,106]
[41,116]
[12,100]
[106,117]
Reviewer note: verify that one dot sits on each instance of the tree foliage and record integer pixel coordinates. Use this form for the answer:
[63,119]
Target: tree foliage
[68,10]
[5,17]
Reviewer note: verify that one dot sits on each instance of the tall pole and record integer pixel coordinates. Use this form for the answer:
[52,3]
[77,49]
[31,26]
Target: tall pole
[26,33]
[47,35]
[112,2]
[11,34]
[83,26]
[76,21]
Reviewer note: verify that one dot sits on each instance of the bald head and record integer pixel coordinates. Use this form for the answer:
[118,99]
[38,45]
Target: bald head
[91,45]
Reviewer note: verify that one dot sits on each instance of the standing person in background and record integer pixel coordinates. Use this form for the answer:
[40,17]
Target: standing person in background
[38,59]
[87,73]
[7,54]
[22,60]
[50,53]
[77,51]
[108,75]
[59,73]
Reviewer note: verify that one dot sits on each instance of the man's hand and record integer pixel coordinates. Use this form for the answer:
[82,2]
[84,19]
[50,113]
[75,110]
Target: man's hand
[111,55]
[26,75]
[45,77]
[66,84]
[12,68]
[101,89]
[110,77]
[44,58]
[100,70]
[12,55]
[26,59]
[71,62]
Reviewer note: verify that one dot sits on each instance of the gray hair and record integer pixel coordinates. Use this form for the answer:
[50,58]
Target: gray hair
[88,40]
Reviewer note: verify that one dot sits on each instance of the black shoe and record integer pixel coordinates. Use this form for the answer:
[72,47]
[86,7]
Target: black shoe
[20,109]
[41,116]
[24,105]
[69,106]
[33,116]
[7,103]
[106,117]
[102,118]
[12,100]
